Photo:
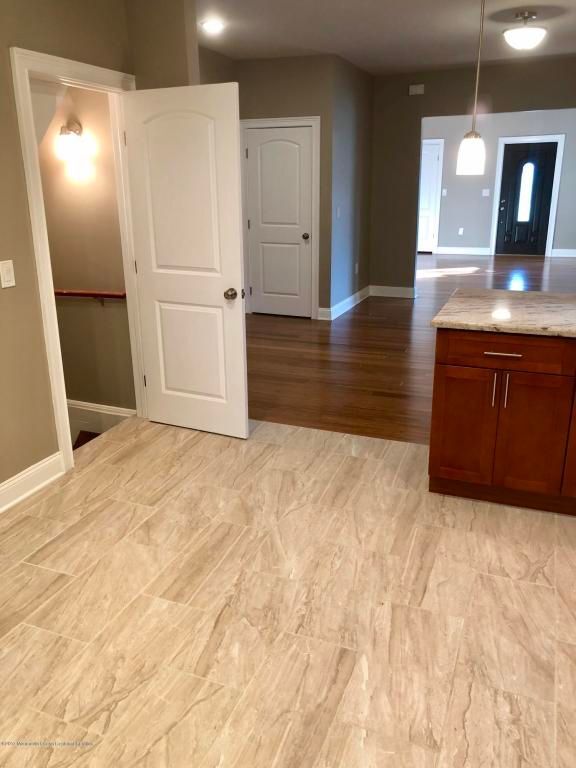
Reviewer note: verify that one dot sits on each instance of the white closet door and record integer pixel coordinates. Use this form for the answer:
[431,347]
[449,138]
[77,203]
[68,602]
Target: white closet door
[279,208]
[184,166]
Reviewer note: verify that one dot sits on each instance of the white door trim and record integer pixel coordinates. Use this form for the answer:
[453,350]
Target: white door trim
[27,64]
[440,143]
[289,122]
[559,139]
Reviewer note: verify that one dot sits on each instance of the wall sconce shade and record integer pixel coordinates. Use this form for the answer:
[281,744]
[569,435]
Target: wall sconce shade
[77,150]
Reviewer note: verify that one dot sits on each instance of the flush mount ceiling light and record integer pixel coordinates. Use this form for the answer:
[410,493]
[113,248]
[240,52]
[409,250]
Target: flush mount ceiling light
[525,37]
[472,151]
[212,26]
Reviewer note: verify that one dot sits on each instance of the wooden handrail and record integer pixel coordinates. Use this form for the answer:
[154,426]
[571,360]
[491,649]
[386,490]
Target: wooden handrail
[90,294]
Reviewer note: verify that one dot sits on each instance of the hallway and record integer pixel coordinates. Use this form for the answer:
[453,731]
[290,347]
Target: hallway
[369,372]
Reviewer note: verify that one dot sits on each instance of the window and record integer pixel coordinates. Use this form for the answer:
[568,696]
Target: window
[525,199]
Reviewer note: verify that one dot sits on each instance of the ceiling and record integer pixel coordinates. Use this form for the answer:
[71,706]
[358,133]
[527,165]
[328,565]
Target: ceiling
[381,35]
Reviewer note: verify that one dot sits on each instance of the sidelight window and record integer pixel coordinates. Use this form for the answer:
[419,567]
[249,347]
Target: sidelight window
[526,186]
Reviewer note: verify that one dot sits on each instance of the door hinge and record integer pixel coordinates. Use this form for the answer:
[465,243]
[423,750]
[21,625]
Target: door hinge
[145,380]
[125,139]
[246,151]
[250,290]
[248,223]
[136,266]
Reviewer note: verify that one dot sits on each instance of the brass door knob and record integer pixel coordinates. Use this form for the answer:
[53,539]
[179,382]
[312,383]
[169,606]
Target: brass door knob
[231,294]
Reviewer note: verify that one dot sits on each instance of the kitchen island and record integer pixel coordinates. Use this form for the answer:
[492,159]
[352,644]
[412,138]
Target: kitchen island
[503,414]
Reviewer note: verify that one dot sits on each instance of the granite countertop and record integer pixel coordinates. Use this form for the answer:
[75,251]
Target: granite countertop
[530,312]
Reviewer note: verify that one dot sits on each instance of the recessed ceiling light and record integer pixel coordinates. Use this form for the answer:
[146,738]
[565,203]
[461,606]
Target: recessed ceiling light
[525,37]
[212,26]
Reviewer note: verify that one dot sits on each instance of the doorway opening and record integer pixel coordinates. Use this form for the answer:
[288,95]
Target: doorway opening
[44,86]
[76,159]
[430,195]
[527,187]
[178,191]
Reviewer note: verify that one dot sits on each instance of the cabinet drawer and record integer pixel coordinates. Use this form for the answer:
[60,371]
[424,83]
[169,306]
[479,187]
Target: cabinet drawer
[507,351]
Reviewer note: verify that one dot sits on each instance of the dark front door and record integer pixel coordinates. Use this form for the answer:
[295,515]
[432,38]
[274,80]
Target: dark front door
[525,196]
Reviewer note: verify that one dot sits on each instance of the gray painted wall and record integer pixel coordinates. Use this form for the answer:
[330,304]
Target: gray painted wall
[464,205]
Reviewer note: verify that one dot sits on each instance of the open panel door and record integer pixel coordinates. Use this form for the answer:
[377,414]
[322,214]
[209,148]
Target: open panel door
[183,147]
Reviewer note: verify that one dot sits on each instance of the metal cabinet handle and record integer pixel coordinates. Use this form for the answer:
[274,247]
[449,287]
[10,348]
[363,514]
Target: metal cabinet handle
[514,355]
[506,391]
[494,390]
[231,294]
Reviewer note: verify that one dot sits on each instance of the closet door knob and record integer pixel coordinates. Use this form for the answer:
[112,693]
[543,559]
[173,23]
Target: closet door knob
[231,294]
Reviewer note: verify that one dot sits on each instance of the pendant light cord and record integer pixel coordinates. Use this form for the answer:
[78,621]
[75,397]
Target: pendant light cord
[480,39]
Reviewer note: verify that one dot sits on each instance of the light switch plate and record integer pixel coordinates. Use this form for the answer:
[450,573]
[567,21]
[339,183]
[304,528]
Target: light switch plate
[7,278]
[485,193]
[444,193]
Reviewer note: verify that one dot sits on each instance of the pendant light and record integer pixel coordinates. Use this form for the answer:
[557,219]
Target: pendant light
[524,37]
[472,152]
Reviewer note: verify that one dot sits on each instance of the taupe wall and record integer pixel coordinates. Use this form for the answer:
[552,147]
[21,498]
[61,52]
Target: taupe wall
[342,96]
[163,37]
[82,218]
[465,206]
[296,87]
[86,253]
[351,175]
[216,68]
[95,33]
[524,85]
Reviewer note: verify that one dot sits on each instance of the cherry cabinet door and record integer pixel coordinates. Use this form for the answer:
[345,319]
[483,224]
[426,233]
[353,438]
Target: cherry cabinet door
[464,423]
[533,431]
[569,487]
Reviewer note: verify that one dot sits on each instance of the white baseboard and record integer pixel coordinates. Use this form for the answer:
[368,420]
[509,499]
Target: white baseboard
[30,480]
[446,250]
[563,253]
[390,291]
[93,417]
[393,291]
[331,313]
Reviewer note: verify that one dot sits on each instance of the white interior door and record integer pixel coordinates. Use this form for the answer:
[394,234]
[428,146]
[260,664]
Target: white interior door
[183,147]
[279,210]
[430,193]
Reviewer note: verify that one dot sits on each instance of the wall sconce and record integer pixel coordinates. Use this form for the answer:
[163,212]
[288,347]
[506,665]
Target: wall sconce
[77,149]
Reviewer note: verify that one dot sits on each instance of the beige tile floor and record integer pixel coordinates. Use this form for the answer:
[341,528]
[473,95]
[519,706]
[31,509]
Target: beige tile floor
[294,601]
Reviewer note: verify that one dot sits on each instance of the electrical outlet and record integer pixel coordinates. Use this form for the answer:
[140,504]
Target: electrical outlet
[461,231]
[7,278]
[485,193]
[444,193]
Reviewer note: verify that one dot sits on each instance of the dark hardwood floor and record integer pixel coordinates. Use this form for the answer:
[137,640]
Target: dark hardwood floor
[370,371]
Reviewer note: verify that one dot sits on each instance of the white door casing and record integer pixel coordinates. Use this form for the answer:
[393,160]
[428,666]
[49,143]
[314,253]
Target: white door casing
[279,186]
[430,193]
[183,149]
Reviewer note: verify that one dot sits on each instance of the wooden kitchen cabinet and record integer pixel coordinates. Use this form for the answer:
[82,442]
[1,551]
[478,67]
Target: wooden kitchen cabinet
[503,433]
[464,423]
[533,426]
[569,486]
